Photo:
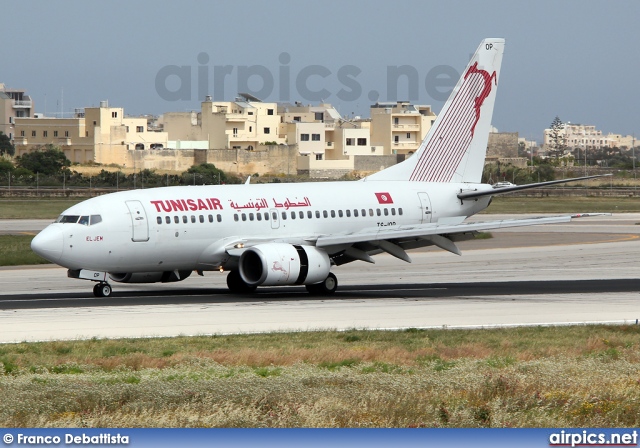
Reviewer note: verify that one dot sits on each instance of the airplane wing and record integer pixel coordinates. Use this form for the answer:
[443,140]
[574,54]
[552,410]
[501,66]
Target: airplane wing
[358,245]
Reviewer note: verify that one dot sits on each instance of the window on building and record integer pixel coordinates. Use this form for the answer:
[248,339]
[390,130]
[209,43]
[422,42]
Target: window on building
[362,142]
[297,118]
[33,133]
[127,128]
[267,130]
[396,138]
[66,133]
[250,113]
[319,116]
[250,128]
[95,122]
[396,120]
[269,111]
[235,132]
[114,114]
[318,156]
[55,133]
[21,133]
[45,133]
[139,128]
[350,141]
[304,137]
[408,135]
[86,133]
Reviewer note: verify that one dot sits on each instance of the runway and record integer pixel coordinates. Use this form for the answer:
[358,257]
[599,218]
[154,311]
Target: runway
[585,271]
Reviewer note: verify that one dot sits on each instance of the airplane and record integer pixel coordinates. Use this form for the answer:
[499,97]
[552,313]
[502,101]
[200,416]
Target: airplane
[294,234]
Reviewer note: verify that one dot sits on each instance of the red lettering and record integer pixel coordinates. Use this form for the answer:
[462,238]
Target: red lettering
[202,205]
[165,206]
[216,204]
[186,207]
[157,204]
[192,204]
[176,205]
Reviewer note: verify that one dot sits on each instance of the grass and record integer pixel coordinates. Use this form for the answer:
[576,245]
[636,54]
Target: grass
[49,208]
[567,204]
[15,250]
[533,377]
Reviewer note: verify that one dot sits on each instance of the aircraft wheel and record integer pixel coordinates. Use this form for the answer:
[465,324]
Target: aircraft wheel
[237,285]
[102,290]
[326,287]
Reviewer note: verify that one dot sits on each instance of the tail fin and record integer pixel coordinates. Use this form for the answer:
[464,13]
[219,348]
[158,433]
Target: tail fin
[455,148]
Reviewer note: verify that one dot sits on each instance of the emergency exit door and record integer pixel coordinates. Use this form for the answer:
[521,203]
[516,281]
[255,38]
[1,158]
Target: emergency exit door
[139,222]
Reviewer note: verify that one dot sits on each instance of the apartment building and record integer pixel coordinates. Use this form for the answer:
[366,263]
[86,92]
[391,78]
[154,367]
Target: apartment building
[14,103]
[579,136]
[99,134]
[400,127]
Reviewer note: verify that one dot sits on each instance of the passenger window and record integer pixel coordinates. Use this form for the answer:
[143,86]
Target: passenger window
[176,219]
[259,216]
[159,219]
[309,214]
[370,212]
[250,216]
[400,211]
[167,219]
[364,213]
[393,211]
[184,219]
[284,215]
[274,216]
[220,218]
[193,218]
[301,214]
[318,214]
[386,212]
[378,212]
[266,216]
[244,216]
[201,218]
[235,217]
[95,219]
[340,213]
[210,218]
[293,215]
[333,213]
[355,212]
[348,212]
[325,214]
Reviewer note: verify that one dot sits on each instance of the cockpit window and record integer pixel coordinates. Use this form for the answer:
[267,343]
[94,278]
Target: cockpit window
[68,219]
[95,219]
[84,220]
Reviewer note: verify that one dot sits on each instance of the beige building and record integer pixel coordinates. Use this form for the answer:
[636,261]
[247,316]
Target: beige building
[622,141]
[98,134]
[14,103]
[400,127]
[579,136]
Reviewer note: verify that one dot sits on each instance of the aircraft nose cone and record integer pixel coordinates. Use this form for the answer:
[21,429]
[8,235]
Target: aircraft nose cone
[48,244]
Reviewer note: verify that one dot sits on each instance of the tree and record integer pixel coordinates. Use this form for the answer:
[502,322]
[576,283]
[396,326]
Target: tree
[6,147]
[208,173]
[47,160]
[557,138]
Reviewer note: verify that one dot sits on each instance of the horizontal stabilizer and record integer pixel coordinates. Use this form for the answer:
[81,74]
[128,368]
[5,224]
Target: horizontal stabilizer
[479,193]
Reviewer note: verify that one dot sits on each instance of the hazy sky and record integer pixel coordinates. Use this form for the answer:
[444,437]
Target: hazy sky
[576,59]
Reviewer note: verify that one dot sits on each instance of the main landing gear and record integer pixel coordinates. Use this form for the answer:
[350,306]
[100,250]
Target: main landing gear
[102,289]
[324,288]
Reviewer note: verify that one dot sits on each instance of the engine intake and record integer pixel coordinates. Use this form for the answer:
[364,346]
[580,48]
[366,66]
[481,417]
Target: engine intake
[283,264]
[149,277]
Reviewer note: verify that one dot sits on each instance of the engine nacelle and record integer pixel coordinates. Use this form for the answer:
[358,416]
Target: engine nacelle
[149,277]
[283,264]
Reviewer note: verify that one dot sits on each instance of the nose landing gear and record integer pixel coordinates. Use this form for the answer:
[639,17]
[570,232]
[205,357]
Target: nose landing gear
[102,290]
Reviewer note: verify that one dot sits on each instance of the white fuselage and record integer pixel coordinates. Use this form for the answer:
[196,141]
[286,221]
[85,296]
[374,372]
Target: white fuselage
[189,228]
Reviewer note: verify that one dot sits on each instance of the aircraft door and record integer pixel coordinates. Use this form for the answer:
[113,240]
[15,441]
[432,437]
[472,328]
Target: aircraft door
[138,221]
[425,207]
[274,218]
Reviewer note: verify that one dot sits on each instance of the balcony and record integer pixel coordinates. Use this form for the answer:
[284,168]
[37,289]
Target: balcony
[406,126]
[24,104]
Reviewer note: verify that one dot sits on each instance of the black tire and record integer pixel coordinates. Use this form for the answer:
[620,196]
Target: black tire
[102,290]
[237,285]
[326,287]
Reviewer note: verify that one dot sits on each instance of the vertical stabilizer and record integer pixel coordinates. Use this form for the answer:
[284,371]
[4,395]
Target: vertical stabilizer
[455,148]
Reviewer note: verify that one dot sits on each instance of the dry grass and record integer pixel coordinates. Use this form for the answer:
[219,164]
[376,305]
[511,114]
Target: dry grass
[534,377]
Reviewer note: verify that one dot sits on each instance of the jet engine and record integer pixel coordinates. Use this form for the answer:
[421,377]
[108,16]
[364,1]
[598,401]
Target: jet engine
[283,264]
[149,277]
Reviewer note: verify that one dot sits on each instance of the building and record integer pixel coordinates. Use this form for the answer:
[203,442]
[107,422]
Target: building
[400,127]
[622,141]
[95,134]
[14,103]
[579,136]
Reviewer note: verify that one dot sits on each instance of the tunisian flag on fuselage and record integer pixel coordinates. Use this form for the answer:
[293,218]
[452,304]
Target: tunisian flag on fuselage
[384,198]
